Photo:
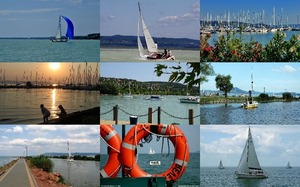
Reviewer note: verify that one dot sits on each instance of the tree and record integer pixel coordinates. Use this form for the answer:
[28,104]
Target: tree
[287,96]
[191,76]
[223,84]
[205,70]
[264,96]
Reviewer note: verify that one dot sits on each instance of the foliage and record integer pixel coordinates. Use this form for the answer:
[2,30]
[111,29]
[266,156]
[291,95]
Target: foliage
[223,83]
[205,70]
[264,96]
[287,96]
[191,77]
[230,48]
[42,162]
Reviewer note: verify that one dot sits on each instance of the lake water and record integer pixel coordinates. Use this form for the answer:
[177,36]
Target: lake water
[277,176]
[79,173]
[277,113]
[262,38]
[6,159]
[43,50]
[190,176]
[139,106]
[132,55]
[22,106]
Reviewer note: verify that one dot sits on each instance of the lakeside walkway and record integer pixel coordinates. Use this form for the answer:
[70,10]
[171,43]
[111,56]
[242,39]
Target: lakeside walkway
[18,175]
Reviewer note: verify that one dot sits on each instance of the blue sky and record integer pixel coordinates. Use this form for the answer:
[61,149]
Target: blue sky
[38,18]
[48,138]
[218,7]
[274,145]
[275,77]
[190,131]
[167,18]
[137,71]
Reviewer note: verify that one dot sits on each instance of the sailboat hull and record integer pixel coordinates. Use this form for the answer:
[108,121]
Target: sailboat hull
[59,40]
[251,176]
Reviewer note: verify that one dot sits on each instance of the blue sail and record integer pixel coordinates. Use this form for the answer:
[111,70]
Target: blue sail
[70,30]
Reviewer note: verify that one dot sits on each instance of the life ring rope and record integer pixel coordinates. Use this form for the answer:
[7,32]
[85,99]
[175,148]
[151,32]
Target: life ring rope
[104,139]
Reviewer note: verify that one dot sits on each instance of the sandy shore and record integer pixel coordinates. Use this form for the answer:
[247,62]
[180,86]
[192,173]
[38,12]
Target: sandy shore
[89,116]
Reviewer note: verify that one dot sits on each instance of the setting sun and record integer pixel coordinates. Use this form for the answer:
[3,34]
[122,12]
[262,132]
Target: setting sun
[54,66]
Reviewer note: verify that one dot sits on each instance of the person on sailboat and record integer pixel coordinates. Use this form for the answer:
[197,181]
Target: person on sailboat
[46,113]
[63,112]
[165,53]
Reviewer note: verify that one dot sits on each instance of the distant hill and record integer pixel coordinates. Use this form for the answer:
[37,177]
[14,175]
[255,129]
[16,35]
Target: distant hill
[131,41]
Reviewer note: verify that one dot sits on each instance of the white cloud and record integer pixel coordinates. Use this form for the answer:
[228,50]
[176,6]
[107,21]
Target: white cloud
[16,129]
[192,15]
[285,69]
[4,137]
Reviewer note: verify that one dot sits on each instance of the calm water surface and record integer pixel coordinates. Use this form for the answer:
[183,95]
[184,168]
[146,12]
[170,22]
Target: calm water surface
[79,173]
[43,50]
[277,177]
[262,38]
[6,159]
[277,113]
[22,106]
[132,55]
[190,176]
[139,106]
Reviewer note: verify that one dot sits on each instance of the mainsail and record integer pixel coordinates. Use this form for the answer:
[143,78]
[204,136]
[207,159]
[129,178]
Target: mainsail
[69,32]
[221,165]
[151,45]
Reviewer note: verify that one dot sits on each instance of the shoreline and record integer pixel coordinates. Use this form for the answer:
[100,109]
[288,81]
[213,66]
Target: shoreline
[88,116]
[7,166]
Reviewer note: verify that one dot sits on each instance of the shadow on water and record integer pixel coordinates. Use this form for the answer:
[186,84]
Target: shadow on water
[249,182]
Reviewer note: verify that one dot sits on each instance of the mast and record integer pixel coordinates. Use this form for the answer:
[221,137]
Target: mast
[58,32]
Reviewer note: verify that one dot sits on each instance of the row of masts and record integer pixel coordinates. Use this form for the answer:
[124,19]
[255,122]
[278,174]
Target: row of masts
[246,21]
[78,75]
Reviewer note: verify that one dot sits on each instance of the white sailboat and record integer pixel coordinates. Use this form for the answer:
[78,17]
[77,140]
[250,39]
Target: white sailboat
[69,158]
[250,103]
[152,48]
[221,165]
[151,151]
[249,166]
[289,166]
[69,33]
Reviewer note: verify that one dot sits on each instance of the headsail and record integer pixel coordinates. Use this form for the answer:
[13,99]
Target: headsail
[140,45]
[70,30]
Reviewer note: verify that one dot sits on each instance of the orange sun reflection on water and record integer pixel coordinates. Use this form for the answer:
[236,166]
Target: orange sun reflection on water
[53,107]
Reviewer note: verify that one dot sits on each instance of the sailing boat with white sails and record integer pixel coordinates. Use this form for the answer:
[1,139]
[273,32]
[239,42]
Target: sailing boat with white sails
[151,151]
[289,166]
[221,165]
[151,45]
[249,166]
[69,33]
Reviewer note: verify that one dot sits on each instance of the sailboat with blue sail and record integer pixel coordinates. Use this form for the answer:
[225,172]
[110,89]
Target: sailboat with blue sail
[69,33]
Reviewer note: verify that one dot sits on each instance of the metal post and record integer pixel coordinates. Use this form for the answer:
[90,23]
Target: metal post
[149,115]
[158,115]
[191,117]
[123,136]
[115,114]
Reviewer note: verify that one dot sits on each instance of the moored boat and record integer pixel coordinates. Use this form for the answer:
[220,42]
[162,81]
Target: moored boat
[191,99]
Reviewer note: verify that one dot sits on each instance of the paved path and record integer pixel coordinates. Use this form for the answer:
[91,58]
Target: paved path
[18,175]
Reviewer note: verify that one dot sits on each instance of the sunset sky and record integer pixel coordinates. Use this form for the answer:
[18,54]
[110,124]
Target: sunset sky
[54,70]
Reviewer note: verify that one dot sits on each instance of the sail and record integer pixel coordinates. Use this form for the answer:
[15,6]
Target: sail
[221,165]
[140,45]
[58,32]
[249,158]
[151,46]
[252,157]
[70,30]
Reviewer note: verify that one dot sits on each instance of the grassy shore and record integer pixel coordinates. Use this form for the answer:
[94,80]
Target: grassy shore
[221,100]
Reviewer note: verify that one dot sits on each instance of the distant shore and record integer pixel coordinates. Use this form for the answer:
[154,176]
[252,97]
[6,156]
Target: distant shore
[67,87]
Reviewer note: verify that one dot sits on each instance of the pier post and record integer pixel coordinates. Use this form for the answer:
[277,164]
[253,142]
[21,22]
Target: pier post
[115,114]
[158,115]
[149,115]
[191,117]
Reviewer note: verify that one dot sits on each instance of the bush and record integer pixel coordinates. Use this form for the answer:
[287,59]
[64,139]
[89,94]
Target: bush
[231,48]
[42,162]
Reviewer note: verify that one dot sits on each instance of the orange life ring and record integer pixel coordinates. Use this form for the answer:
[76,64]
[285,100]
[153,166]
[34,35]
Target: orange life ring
[111,137]
[132,139]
